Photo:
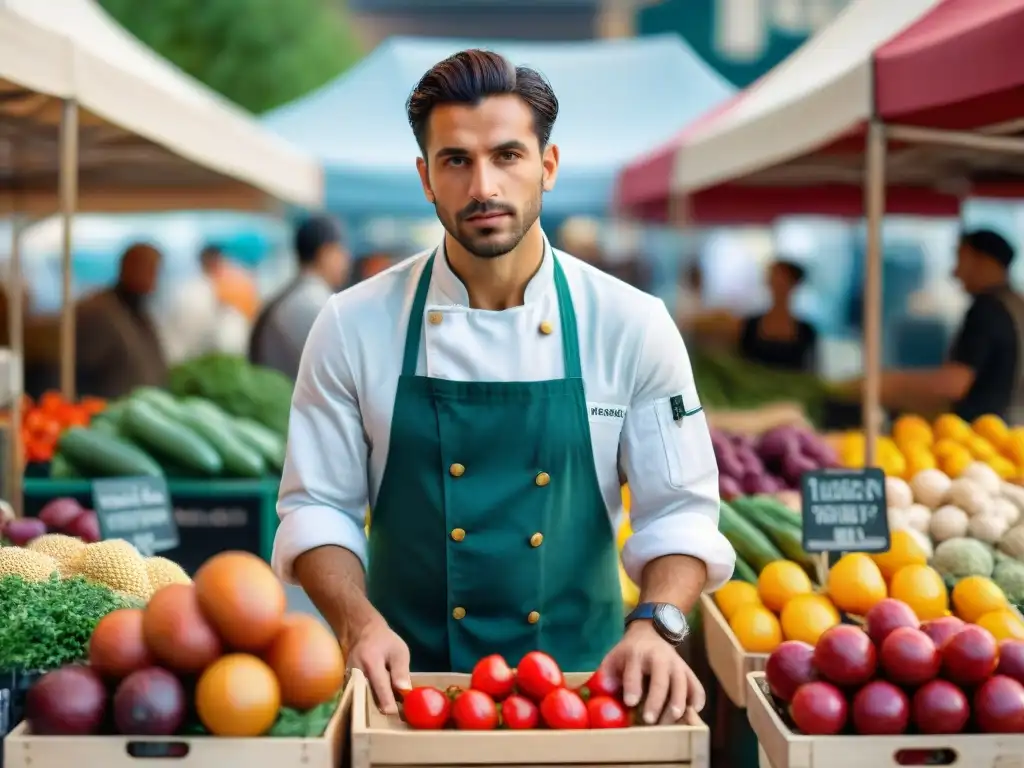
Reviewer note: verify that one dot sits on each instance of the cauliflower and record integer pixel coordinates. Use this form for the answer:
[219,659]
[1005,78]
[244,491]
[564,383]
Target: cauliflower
[1009,575]
[958,558]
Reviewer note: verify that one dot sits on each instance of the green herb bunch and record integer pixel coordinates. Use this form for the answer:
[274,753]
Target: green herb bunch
[48,624]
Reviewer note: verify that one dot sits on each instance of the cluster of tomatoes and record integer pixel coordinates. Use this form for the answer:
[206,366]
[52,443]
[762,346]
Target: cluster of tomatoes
[533,695]
[42,422]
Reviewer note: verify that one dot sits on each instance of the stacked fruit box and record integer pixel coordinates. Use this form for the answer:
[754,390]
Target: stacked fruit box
[730,662]
[382,740]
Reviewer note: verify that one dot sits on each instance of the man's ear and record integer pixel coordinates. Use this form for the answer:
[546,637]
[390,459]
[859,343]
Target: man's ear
[424,172]
[550,164]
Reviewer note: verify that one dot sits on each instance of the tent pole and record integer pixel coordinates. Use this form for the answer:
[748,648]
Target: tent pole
[16,340]
[1010,145]
[874,212]
[68,203]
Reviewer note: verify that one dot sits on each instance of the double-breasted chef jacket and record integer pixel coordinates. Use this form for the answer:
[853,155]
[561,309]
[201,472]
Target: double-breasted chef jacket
[490,447]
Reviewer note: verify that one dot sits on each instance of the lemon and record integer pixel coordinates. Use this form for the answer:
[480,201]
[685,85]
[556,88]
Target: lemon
[780,582]
[757,629]
[975,596]
[912,430]
[921,587]
[733,595]
[992,428]
[808,617]
[903,550]
[855,584]
[951,426]
[1003,624]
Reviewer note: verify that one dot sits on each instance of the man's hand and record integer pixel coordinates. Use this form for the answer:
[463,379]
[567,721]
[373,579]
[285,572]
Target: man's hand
[384,658]
[671,684]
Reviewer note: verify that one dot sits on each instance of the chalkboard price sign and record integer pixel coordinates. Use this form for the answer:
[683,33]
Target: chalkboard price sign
[137,509]
[844,510]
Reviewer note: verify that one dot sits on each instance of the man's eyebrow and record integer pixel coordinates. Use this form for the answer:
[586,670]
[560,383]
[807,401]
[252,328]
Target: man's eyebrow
[462,152]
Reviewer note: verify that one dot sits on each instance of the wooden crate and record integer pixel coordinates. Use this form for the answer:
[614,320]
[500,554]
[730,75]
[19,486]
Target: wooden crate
[730,663]
[23,750]
[379,740]
[784,749]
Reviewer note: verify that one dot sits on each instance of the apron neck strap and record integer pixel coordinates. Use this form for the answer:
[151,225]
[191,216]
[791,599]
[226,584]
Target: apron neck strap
[567,315]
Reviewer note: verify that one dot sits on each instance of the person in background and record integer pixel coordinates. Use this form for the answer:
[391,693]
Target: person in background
[281,329]
[117,346]
[982,374]
[777,338]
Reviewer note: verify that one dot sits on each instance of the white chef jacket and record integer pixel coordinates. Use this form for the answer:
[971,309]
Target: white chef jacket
[634,364]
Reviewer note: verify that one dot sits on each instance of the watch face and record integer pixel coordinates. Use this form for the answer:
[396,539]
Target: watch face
[672,619]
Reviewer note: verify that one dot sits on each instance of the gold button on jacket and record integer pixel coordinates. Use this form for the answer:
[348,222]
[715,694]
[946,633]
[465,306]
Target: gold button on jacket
[546,328]
[537,539]
[459,613]
[434,318]
[456,470]
[542,479]
[458,534]
[533,618]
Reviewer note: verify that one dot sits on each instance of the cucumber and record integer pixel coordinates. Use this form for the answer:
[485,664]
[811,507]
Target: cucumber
[779,523]
[61,469]
[240,459]
[744,572]
[270,445]
[747,539]
[105,426]
[757,508]
[95,454]
[159,399]
[168,439]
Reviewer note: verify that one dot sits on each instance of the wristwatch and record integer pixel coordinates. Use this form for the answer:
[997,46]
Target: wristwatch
[668,620]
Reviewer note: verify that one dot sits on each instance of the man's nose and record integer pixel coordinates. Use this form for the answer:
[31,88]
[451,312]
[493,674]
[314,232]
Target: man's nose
[484,184]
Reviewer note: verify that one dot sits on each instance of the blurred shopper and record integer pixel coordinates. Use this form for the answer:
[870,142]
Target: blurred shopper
[982,374]
[283,325]
[204,316]
[117,346]
[776,338]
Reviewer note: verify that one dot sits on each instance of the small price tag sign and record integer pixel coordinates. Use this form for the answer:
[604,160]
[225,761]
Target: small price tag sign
[137,509]
[844,510]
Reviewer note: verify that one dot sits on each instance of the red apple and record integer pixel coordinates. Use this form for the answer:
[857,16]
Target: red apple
[940,707]
[790,666]
[845,656]
[940,630]
[999,705]
[1011,659]
[909,657]
[818,709]
[887,615]
[970,656]
[880,709]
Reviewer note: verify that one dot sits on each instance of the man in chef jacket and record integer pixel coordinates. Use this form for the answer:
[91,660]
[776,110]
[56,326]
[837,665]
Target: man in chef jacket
[487,398]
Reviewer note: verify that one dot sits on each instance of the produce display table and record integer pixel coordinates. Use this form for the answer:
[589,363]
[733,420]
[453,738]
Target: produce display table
[212,515]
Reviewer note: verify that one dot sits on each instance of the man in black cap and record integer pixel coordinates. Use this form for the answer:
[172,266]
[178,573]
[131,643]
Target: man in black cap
[281,329]
[981,375]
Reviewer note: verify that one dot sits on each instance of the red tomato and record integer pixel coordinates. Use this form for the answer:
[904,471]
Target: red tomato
[518,713]
[493,676]
[607,712]
[475,711]
[564,710]
[426,709]
[538,675]
[600,684]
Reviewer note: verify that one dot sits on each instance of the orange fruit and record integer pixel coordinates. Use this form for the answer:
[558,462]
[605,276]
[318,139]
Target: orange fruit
[951,426]
[955,460]
[757,629]
[242,598]
[855,584]
[781,581]
[733,595]
[980,448]
[176,632]
[238,695]
[921,587]
[116,647]
[808,617]
[912,430]
[308,663]
[1004,624]
[992,428]
[903,550]
[974,596]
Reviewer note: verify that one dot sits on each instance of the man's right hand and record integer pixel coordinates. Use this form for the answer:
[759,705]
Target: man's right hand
[383,657]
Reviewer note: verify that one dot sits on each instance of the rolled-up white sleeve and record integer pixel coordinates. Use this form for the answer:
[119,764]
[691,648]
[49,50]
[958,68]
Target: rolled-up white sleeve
[668,460]
[323,494]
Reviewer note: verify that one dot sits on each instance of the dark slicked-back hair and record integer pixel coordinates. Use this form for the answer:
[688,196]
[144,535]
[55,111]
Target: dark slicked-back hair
[470,76]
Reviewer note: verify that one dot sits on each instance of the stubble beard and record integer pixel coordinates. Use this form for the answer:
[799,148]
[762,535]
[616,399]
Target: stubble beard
[485,248]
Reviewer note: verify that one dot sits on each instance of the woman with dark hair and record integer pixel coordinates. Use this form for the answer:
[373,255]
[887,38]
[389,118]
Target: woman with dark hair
[777,338]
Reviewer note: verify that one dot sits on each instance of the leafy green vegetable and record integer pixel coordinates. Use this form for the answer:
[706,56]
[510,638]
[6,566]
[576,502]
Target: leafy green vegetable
[47,624]
[238,387]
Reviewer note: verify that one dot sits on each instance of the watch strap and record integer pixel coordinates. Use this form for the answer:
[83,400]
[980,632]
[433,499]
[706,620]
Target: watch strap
[642,611]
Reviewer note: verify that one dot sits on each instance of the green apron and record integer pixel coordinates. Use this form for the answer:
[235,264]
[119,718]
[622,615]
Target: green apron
[490,534]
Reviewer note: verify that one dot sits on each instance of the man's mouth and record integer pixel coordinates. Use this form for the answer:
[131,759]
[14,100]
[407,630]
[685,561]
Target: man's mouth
[486,217]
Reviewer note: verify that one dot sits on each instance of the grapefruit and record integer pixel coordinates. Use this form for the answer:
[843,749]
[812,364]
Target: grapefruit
[308,663]
[176,633]
[242,598]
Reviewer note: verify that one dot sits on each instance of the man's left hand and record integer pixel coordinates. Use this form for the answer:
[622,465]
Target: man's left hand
[671,684]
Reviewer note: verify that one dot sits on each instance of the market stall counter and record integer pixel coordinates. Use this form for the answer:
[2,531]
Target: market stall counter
[211,515]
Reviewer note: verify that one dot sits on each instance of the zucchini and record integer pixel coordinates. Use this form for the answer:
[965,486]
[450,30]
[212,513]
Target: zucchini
[747,539]
[270,445]
[170,440]
[744,572]
[159,399]
[61,469]
[95,454]
[758,508]
[240,459]
[206,408]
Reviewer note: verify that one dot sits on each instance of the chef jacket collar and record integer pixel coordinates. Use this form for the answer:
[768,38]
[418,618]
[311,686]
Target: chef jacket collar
[453,290]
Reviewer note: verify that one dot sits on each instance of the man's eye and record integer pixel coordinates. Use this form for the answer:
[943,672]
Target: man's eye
[509,157]
[456,161]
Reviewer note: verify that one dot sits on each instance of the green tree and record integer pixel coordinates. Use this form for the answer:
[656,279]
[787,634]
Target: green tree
[258,53]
